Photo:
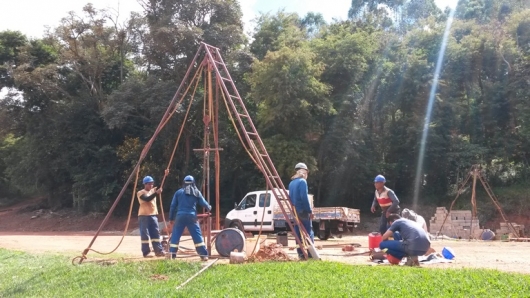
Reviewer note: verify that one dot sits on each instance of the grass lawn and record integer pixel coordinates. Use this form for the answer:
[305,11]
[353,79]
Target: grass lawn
[26,275]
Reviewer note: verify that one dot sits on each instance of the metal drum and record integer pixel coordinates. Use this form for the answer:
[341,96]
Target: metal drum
[229,240]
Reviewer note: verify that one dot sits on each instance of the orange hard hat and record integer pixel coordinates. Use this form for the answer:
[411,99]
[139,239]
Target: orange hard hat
[392,260]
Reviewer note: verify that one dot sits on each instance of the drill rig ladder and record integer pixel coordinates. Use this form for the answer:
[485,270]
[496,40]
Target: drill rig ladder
[209,60]
[253,142]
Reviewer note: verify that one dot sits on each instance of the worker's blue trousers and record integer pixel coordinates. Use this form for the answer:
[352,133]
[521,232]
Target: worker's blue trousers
[308,225]
[394,247]
[383,221]
[149,229]
[187,221]
[398,248]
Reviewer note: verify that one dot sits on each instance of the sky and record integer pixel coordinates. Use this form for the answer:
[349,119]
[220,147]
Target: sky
[31,16]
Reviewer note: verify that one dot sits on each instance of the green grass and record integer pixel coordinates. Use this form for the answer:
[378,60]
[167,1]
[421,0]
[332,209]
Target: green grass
[25,275]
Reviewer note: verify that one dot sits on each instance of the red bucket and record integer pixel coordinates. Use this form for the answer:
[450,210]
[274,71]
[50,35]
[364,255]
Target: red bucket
[374,239]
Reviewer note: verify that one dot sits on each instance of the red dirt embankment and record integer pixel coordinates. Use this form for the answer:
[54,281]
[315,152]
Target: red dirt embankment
[28,217]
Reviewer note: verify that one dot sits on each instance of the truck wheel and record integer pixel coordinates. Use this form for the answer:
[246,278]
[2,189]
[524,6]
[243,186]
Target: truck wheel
[324,235]
[237,225]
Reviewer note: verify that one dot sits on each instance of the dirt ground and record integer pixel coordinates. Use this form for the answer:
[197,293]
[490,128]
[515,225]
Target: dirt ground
[69,233]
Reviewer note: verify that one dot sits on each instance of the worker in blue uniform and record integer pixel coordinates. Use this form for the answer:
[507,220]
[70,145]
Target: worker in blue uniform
[298,193]
[183,214]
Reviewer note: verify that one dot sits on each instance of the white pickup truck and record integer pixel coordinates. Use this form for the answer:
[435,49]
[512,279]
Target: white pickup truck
[248,214]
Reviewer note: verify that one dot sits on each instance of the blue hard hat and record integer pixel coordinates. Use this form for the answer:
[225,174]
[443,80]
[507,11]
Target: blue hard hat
[380,178]
[189,179]
[148,179]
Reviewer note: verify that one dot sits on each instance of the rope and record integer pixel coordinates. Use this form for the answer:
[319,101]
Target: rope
[262,218]
[237,130]
[83,257]
[165,118]
[166,172]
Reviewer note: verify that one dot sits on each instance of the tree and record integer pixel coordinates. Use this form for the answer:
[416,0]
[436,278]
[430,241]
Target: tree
[176,28]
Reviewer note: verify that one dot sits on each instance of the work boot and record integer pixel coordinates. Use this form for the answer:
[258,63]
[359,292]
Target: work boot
[160,254]
[412,261]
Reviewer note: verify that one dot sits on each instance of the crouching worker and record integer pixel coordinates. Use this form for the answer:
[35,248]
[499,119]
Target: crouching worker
[183,214]
[410,240]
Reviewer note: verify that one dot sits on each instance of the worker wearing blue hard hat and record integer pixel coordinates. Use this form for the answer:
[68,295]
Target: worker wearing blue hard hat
[148,218]
[183,214]
[386,199]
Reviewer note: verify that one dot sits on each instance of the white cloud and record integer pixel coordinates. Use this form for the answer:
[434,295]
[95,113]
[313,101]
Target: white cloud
[31,16]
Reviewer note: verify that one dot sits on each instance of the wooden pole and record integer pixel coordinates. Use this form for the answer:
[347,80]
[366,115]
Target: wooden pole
[473,194]
[197,274]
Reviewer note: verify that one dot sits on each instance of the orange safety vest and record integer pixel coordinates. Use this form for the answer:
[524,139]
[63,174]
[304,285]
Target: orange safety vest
[147,207]
[383,199]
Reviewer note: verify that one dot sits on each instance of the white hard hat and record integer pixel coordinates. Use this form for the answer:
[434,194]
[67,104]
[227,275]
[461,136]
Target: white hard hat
[300,165]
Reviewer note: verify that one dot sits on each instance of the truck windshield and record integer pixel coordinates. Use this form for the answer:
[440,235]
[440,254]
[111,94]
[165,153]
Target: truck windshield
[248,202]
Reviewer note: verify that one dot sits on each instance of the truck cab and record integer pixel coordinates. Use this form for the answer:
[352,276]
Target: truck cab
[258,206]
[255,206]
[247,215]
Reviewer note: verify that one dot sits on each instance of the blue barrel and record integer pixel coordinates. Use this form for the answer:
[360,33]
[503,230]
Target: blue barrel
[229,240]
[488,235]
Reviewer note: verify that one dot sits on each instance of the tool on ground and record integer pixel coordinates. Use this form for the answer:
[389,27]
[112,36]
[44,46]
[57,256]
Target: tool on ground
[197,274]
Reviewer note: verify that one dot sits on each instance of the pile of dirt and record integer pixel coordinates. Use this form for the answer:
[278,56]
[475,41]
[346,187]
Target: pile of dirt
[271,252]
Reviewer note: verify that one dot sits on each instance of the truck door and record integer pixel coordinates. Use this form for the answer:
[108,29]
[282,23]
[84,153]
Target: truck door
[265,206]
[248,212]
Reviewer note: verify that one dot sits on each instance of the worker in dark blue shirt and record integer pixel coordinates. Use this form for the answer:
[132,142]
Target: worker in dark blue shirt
[183,214]
[298,193]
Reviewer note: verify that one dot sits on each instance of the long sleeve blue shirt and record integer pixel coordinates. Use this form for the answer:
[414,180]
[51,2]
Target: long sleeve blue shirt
[298,193]
[186,204]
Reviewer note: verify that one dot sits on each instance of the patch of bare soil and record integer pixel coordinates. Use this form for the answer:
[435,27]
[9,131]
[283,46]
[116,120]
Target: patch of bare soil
[159,277]
[69,233]
[31,216]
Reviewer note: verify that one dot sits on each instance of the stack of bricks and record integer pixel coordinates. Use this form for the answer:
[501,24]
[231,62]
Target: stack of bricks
[507,230]
[459,224]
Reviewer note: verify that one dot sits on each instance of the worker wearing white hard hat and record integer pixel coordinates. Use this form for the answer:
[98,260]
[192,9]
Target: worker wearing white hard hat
[298,193]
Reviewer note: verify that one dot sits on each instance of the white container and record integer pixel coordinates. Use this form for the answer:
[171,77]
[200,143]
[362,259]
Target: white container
[250,244]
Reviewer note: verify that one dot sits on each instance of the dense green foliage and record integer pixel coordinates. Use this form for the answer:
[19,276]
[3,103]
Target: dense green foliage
[348,98]
[27,275]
